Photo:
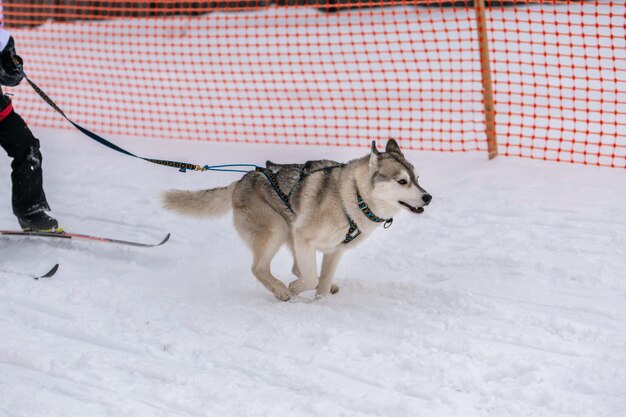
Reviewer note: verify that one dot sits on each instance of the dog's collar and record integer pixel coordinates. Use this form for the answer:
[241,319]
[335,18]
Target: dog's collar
[353,229]
[368,213]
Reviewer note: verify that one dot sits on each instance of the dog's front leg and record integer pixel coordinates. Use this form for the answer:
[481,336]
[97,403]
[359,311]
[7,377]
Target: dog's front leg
[306,263]
[329,266]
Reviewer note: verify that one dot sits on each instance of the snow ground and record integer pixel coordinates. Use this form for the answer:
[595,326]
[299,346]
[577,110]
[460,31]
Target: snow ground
[505,298]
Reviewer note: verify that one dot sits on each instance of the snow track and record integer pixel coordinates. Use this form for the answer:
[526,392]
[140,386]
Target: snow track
[505,298]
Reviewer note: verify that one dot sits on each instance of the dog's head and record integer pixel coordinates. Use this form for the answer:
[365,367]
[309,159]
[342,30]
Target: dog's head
[394,180]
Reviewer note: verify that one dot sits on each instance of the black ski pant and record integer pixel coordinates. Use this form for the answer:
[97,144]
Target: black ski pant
[20,144]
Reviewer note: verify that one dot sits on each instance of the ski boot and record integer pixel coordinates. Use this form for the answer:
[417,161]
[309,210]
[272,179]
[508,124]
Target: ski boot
[39,222]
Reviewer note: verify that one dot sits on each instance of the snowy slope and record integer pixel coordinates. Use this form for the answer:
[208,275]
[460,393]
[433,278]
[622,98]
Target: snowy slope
[505,298]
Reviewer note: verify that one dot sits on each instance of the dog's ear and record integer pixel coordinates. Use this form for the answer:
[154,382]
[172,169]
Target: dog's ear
[374,150]
[374,158]
[392,146]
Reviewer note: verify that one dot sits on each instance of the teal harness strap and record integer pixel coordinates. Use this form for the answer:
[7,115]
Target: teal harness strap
[271,177]
[353,229]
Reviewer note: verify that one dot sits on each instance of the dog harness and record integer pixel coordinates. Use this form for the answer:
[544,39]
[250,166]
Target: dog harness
[304,172]
[271,177]
[353,229]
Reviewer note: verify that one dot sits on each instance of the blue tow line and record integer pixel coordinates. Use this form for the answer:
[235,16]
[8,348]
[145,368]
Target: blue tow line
[223,168]
[181,166]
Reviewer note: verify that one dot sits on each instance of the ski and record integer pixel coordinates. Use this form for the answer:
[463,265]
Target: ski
[77,236]
[48,274]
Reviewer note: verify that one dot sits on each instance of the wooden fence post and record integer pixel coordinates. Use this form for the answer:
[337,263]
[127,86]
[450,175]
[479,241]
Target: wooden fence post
[483,43]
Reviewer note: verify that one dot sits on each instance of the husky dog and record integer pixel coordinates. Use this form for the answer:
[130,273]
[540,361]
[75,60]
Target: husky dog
[322,206]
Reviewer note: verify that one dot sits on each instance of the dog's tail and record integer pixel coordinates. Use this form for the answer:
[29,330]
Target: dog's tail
[214,202]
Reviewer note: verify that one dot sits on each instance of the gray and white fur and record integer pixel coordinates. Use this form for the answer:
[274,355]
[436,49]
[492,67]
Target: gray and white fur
[322,196]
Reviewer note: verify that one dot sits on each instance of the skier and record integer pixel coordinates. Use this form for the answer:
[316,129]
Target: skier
[29,201]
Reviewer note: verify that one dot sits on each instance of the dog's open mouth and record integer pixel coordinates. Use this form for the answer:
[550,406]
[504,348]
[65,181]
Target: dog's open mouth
[413,209]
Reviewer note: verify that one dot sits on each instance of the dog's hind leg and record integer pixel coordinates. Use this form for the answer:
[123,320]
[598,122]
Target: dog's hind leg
[265,232]
[329,266]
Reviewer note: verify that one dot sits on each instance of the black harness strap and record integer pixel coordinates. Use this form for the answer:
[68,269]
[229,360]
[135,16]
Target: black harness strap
[182,166]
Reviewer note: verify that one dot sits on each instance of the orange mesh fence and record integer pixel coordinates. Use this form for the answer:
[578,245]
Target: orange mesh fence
[559,73]
[332,72]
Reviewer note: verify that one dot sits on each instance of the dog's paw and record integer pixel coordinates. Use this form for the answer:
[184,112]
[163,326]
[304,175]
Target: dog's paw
[298,286]
[319,295]
[334,289]
[282,293]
